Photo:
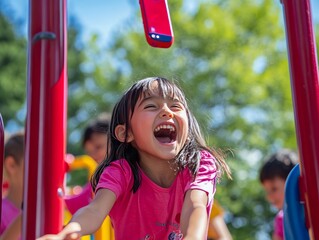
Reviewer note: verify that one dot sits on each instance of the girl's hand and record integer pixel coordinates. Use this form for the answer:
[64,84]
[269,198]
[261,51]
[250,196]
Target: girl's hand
[70,232]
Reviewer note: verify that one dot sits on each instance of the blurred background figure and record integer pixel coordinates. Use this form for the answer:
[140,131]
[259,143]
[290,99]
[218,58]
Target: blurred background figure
[5,184]
[273,175]
[13,170]
[13,231]
[95,137]
[81,168]
[217,228]
[94,143]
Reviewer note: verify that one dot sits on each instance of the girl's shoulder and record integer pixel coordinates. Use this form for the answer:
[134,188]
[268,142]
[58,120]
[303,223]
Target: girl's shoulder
[207,161]
[206,154]
[207,158]
[118,175]
[120,166]
[206,166]
[122,163]
[205,177]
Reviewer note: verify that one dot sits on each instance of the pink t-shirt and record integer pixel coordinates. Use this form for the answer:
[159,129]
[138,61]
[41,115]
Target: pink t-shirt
[8,214]
[153,212]
[279,224]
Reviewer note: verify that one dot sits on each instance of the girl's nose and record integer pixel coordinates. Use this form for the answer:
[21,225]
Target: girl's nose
[167,113]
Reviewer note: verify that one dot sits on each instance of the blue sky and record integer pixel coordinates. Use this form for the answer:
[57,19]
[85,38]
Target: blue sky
[101,16]
[96,16]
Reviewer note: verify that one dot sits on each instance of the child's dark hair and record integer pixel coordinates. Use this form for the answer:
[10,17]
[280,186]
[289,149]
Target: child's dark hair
[278,165]
[188,157]
[14,147]
[99,125]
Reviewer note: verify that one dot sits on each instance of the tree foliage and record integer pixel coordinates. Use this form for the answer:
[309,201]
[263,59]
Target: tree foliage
[12,69]
[230,58]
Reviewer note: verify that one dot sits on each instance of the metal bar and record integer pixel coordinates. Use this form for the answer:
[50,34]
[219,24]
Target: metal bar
[46,118]
[305,89]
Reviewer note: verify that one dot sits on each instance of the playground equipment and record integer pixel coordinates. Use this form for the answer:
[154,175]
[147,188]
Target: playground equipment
[294,212]
[305,90]
[46,119]
[75,202]
[157,23]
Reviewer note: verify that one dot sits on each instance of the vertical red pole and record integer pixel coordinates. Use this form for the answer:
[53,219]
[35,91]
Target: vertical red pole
[305,88]
[1,158]
[46,118]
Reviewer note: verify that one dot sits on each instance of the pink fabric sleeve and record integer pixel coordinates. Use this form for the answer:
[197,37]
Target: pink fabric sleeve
[279,225]
[75,202]
[206,176]
[9,214]
[116,177]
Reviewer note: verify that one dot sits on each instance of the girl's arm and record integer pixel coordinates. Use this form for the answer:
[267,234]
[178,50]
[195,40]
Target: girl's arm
[91,216]
[194,217]
[88,219]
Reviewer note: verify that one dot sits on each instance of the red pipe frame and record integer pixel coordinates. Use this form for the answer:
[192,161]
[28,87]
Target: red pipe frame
[46,119]
[305,89]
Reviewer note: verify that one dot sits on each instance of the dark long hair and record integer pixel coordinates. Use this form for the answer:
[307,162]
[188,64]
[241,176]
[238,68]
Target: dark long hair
[188,157]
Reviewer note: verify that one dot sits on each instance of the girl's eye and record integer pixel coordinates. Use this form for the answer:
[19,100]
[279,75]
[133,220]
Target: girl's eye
[149,106]
[177,106]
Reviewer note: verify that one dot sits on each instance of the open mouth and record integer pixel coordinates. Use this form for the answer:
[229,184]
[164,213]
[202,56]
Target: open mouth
[165,133]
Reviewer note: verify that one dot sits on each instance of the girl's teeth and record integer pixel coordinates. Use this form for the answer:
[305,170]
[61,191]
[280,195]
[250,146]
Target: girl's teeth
[165,127]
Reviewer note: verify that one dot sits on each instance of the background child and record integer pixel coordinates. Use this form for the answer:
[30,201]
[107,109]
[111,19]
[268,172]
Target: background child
[13,169]
[273,175]
[95,137]
[217,228]
[13,231]
[159,179]
[94,142]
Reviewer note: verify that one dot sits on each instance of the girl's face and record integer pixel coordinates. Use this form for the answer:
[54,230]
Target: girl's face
[275,191]
[96,147]
[14,172]
[159,127]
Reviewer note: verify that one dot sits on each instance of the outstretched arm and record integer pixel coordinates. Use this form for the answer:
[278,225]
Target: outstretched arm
[88,219]
[194,217]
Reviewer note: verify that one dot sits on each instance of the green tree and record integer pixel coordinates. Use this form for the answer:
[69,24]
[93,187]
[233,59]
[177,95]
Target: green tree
[12,69]
[76,86]
[90,90]
[230,58]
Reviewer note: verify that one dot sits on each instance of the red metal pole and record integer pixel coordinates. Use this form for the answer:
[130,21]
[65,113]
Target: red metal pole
[305,88]
[46,118]
[1,158]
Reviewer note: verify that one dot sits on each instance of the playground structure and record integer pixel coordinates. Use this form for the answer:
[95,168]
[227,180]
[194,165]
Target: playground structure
[46,115]
[305,90]
[74,202]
